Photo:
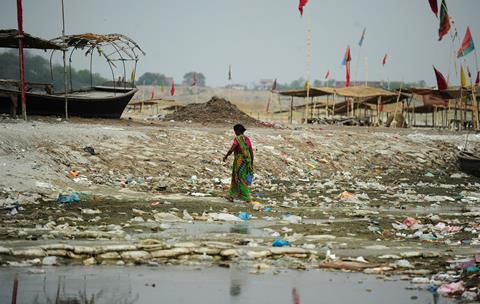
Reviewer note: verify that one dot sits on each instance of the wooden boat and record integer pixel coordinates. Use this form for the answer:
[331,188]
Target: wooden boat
[469,163]
[95,102]
[107,101]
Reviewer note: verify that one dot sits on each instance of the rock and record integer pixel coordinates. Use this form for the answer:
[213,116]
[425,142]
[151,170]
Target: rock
[166,217]
[207,250]
[89,262]
[91,211]
[402,264]
[187,216]
[320,237]
[169,253]
[377,270]
[136,255]
[228,253]
[259,254]
[113,255]
[224,217]
[5,250]
[430,254]
[32,252]
[220,245]
[420,280]
[186,245]
[58,246]
[411,254]
[50,261]
[389,257]
[376,247]
[85,250]
[58,252]
[287,250]
[108,248]
[138,219]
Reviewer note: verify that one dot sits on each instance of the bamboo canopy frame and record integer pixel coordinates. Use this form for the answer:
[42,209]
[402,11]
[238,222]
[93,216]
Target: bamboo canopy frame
[113,47]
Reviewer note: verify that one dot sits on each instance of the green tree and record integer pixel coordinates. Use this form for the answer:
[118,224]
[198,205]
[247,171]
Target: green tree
[149,78]
[188,79]
[37,69]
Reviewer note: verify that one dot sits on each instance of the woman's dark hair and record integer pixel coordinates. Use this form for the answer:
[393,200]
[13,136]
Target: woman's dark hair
[238,128]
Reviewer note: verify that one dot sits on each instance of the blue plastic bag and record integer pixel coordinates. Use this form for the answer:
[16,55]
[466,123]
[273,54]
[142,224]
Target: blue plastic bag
[245,216]
[280,243]
[73,197]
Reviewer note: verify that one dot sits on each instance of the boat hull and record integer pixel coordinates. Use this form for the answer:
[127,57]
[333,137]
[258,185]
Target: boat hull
[80,106]
[469,163]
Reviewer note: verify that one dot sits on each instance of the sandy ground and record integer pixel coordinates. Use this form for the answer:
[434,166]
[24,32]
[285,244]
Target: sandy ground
[335,193]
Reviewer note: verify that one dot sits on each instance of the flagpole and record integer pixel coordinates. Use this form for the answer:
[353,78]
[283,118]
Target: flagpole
[23,95]
[65,61]
[308,63]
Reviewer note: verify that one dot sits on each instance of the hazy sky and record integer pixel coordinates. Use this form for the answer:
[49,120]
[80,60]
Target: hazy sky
[263,38]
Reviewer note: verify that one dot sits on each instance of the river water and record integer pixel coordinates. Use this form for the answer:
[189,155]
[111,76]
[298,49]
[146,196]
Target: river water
[175,284]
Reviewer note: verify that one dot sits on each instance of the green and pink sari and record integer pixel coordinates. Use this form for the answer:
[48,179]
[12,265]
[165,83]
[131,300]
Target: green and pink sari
[242,171]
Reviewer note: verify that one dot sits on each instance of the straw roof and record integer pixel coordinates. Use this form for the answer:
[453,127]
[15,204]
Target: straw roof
[313,92]
[352,92]
[450,93]
[9,39]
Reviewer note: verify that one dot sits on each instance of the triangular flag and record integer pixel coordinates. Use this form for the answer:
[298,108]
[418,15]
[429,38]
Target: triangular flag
[347,57]
[434,6]
[274,85]
[301,4]
[360,43]
[132,76]
[463,78]
[467,45]
[172,89]
[307,85]
[327,75]
[441,81]
[444,21]
[230,72]
[384,61]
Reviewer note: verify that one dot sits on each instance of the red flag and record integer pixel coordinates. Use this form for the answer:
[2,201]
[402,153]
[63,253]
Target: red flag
[194,79]
[477,81]
[467,44]
[384,61]
[434,6]
[301,4]
[295,296]
[274,85]
[327,75]
[172,89]
[444,21]
[441,81]
[382,106]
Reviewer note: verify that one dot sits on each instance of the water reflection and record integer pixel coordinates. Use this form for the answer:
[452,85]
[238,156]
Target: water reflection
[62,296]
[241,228]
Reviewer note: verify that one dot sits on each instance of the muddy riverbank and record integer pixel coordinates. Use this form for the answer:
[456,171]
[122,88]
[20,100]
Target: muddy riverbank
[377,201]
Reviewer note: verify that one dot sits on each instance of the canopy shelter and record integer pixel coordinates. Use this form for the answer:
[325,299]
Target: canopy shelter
[113,47]
[456,106]
[355,100]
[9,39]
[313,92]
[450,93]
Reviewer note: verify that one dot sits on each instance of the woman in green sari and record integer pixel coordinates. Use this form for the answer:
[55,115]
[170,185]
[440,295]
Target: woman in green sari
[242,169]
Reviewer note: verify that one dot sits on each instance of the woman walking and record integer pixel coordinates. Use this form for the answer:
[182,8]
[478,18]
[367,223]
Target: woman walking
[242,169]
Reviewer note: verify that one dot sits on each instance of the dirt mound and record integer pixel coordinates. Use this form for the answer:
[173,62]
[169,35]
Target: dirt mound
[216,110]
